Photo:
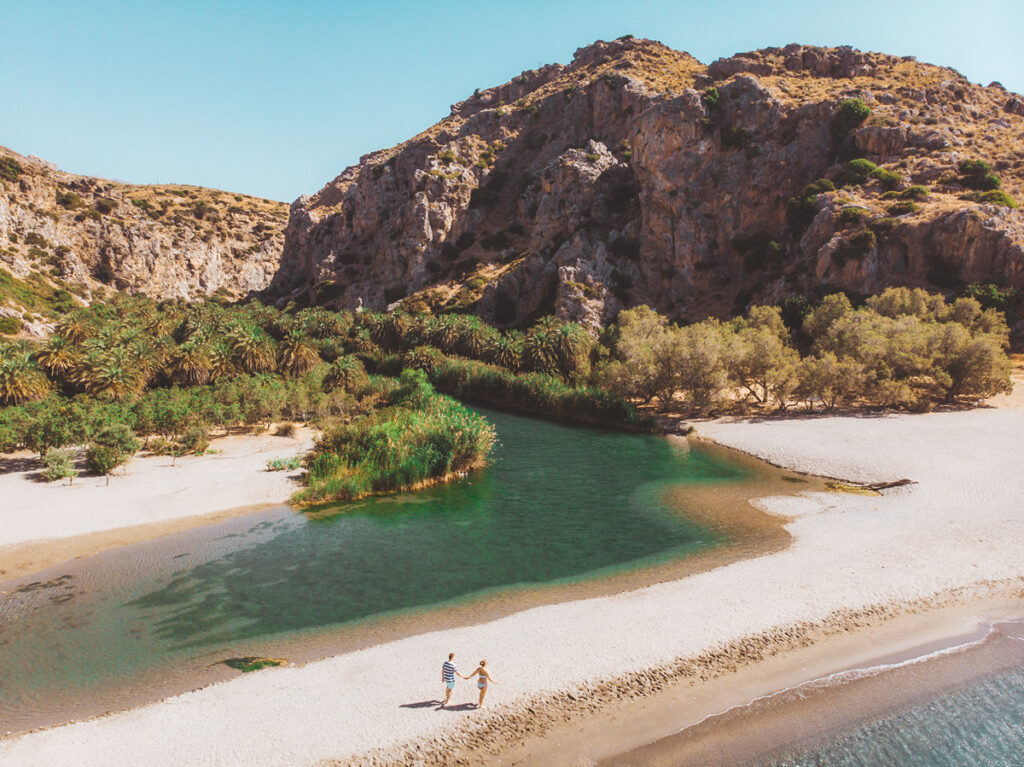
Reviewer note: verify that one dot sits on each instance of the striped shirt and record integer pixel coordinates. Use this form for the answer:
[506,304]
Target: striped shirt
[448,671]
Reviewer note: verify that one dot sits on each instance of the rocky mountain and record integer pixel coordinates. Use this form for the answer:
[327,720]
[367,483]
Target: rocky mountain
[637,174]
[62,233]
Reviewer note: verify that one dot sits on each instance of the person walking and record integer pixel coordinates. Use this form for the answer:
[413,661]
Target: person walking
[483,678]
[448,672]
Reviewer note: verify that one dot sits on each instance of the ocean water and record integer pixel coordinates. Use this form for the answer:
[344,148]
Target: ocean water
[978,724]
[557,505]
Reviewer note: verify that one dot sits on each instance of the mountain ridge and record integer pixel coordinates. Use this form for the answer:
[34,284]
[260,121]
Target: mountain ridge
[636,174]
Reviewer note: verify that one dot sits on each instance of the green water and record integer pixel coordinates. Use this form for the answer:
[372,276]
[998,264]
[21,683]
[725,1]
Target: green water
[556,504]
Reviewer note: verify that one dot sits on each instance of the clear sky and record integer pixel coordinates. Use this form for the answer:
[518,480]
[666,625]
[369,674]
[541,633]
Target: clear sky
[275,98]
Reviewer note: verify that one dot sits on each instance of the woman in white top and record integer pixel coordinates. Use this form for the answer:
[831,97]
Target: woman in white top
[483,677]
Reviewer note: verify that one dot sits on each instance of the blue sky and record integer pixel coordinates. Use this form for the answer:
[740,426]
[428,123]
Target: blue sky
[276,98]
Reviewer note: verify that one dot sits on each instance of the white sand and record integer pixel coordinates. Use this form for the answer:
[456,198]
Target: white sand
[961,525]
[149,489]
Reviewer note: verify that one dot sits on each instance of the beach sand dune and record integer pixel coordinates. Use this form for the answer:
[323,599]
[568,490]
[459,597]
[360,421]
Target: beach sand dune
[956,531]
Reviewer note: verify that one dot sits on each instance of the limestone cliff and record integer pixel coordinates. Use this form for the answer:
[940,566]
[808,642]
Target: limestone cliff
[636,174]
[87,234]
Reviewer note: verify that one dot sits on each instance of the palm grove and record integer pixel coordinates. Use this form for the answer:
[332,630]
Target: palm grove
[131,373]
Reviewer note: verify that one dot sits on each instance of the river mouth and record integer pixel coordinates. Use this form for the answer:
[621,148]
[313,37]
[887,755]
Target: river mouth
[562,514]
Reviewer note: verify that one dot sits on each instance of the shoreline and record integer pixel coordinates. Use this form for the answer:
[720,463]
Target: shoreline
[810,713]
[654,718]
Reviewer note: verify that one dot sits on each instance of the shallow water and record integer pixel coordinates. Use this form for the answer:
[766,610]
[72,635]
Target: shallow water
[558,504]
[980,723]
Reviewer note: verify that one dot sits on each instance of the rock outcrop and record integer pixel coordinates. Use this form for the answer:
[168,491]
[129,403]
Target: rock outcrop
[90,234]
[638,175]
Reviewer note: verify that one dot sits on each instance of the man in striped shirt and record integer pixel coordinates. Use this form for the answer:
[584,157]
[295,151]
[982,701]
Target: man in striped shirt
[448,672]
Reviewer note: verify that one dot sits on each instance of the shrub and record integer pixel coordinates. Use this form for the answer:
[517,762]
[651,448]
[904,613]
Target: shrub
[104,206]
[447,156]
[903,208]
[103,459]
[285,430]
[997,197]
[9,326]
[10,169]
[916,192]
[849,115]
[800,211]
[284,464]
[888,179]
[858,171]
[851,214]
[977,174]
[855,247]
[69,200]
[59,464]
[118,436]
[711,98]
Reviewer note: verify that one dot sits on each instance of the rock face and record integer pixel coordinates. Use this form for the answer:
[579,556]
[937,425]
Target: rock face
[638,175]
[166,241]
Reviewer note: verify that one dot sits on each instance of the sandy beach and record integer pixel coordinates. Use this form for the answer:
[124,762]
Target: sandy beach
[45,523]
[856,561]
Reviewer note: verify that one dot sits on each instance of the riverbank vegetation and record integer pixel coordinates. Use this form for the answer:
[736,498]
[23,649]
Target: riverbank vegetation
[171,373]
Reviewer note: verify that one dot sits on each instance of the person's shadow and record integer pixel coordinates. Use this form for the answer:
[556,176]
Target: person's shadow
[421,704]
[436,704]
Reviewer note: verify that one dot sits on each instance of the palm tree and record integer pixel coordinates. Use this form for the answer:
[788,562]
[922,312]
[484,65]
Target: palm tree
[115,374]
[574,344]
[422,358]
[507,350]
[347,373]
[190,364]
[541,346]
[57,357]
[446,333]
[253,349]
[75,328]
[20,379]
[222,361]
[296,353]
[474,337]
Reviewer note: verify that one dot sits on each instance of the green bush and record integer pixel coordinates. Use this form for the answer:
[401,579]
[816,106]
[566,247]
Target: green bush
[903,208]
[916,192]
[69,200]
[978,175]
[997,197]
[103,459]
[848,116]
[9,326]
[284,464]
[855,247]
[888,179]
[800,211]
[59,464]
[852,214]
[10,169]
[104,206]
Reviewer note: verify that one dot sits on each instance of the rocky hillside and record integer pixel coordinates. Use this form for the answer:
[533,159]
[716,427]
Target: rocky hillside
[639,175]
[64,235]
